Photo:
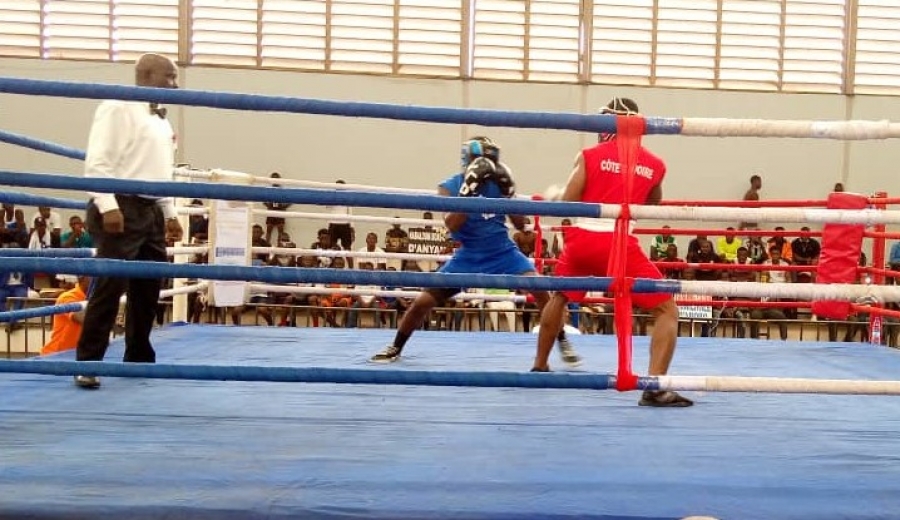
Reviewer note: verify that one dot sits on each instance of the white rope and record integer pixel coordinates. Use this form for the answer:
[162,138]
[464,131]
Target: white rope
[354,218]
[866,217]
[395,293]
[187,250]
[192,210]
[778,385]
[798,291]
[845,130]
[332,253]
[187,289]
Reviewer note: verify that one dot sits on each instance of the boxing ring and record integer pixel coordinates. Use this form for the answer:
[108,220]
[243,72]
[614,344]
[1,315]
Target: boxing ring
[255,422]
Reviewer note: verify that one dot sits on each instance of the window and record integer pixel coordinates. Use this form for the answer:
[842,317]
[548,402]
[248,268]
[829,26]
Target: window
[430,37]
[293,33]
[622,42]
[750,44]
[77,29]
[878,47]
[20,28]
[553,40]
[361,35]
[224,32]
[813,45]
[142,26]
[498,46]
[686,42]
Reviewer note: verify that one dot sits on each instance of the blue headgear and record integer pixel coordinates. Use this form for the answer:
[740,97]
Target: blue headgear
[479,147]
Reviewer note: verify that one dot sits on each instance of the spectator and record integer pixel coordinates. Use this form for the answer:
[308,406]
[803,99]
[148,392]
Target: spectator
[54,224]
[67,326]
[340,228]
[14,285]
[371,246]
[752,195]
[275,223]
[40,236]
[805,252]
[77,236]
[396,240]
[728,246]
[661,244]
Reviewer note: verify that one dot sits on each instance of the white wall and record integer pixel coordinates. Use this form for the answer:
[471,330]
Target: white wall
[419,155]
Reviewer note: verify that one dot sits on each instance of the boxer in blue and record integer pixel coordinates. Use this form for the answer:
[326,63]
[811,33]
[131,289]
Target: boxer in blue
[485,245]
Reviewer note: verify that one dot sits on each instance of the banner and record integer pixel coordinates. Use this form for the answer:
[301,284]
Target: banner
[428,240]
[689,310]
[230,241]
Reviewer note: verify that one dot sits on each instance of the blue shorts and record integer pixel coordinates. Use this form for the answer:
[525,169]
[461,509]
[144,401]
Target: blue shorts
[505,261]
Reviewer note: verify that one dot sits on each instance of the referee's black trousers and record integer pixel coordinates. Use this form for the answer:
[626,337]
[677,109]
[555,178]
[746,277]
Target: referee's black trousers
[144,239]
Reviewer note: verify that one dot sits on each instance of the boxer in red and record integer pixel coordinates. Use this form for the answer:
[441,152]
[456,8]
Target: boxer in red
[596,178]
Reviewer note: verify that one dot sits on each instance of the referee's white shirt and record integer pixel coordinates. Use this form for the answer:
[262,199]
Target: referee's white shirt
[128,142]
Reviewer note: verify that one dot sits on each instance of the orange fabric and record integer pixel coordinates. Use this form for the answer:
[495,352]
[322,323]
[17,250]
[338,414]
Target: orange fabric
[65,330]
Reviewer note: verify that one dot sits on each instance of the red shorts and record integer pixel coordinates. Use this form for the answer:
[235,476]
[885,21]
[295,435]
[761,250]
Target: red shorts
[586,253]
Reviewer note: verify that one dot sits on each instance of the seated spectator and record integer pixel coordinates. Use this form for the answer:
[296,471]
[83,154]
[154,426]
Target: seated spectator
[396,240]
[40,236]
[756,249]
[67,326]
[782,244]
[77,236]
[694,245]
[14,285]
[672,273]
[366,301]
[806,252]
[661,244]
[728,245]
[705,255]
[372,247]
[198,225]
[54,224]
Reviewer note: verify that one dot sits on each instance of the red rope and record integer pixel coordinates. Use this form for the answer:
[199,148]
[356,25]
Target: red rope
[629,130]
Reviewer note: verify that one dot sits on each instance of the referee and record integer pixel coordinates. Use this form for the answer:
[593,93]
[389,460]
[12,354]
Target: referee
[129,140]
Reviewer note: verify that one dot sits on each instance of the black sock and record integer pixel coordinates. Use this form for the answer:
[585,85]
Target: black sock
[562,334]
[400,339]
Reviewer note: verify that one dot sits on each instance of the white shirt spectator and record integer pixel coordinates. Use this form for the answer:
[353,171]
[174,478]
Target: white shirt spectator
[776,276]
[374,260]
[128,142]
[54,221]
[38,242]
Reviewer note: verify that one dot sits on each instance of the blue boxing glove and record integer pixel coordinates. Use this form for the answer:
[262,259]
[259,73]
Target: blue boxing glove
[503,178]
[477,174]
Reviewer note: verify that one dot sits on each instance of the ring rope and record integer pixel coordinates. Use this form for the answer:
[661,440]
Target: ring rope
[284,275]
[300,195]
[594,123]
[51,310]
[41,145]
[86,252]
[353,218]
[332,253]
[554,380]
[439,203]
[465,296]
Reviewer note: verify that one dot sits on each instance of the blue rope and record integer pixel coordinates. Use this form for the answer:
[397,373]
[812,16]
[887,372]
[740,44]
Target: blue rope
[205,190]
[37,312]
[41,145]
[285,275]
[321,375]
[50,252]
[236,101]
[26,199]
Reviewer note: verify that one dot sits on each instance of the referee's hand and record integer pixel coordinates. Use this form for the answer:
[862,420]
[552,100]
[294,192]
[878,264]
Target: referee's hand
[114,222]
